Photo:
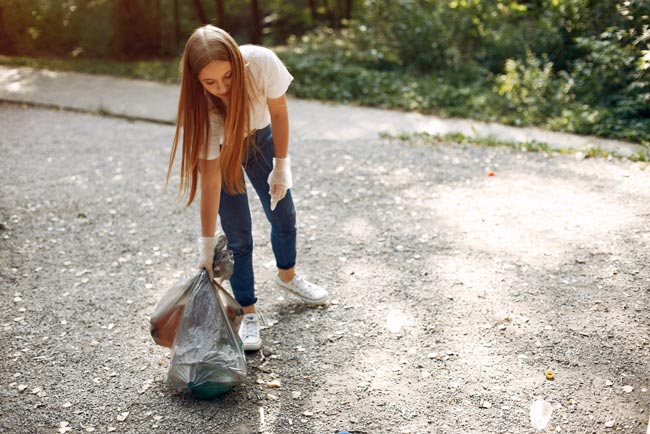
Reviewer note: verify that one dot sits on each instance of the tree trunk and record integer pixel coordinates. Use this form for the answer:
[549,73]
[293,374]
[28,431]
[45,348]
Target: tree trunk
[256,37]
[348,9]
[200,12]
[177,26]
[314,11]
[158,28]
[6,46]
[332,14]
[221,14]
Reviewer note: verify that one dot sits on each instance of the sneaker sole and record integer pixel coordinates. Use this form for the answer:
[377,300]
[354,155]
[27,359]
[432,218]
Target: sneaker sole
[252,347]
[309,301]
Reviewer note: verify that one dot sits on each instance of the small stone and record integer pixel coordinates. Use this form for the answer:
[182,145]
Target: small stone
[485,404]
[609,424]
[64,427]
[628,389]
[296,395]
[275,384]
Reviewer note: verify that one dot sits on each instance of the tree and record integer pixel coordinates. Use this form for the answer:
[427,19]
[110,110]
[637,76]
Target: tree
[256,37]
[6,46]
[221,14]
[200,12]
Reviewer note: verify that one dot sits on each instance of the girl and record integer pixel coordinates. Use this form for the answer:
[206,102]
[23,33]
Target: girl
[232,112]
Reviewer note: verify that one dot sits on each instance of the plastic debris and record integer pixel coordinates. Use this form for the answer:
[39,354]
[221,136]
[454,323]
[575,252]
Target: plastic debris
[540,414]
[395,320]
[549,374]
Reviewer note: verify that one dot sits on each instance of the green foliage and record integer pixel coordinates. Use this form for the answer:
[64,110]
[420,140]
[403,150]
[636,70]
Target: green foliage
[571,65]
[56,28]
[320,77]
[533,91]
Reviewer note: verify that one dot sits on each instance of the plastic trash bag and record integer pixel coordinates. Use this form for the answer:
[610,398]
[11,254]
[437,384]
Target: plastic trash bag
[208,357]
[223,263]
[164,321]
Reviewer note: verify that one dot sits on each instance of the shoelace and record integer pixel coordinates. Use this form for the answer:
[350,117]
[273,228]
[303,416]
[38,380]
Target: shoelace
[303,285]
[250,327]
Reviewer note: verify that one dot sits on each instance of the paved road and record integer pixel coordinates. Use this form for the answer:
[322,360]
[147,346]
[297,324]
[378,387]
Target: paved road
[452,291]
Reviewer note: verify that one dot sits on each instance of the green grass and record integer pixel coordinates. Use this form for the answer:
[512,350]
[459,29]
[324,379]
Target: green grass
[490,142]
[165,71]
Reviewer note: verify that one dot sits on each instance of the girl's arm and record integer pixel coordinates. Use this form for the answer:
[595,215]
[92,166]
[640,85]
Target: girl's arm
[279,125]
[210,195]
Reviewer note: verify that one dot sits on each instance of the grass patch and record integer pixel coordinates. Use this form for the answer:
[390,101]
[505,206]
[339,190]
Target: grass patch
[423,138]
[165,71]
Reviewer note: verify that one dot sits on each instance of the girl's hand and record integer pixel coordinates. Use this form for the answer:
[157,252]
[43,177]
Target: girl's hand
[206,254]
[279,180]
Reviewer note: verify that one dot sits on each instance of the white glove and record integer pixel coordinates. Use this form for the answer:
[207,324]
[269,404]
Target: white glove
[206,254]
[279,180]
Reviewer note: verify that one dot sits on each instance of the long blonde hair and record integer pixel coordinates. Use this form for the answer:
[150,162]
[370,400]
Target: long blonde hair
[206,44]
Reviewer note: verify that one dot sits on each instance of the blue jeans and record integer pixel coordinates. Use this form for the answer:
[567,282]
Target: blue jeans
[236,220]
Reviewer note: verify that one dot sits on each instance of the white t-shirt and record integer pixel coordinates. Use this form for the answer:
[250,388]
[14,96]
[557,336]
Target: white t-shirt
[271,80]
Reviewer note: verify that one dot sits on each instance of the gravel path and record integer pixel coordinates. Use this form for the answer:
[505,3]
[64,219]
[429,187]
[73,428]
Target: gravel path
[452,291]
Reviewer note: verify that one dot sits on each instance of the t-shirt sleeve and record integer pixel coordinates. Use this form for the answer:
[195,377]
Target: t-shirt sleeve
[214,139]
[277,76]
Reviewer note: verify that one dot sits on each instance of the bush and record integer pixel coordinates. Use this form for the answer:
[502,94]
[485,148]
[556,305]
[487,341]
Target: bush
[533,90]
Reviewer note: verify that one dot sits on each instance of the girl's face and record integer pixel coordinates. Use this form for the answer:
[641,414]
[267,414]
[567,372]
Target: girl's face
[216,78]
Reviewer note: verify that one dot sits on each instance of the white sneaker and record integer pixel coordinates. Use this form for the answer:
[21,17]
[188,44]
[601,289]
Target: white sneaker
[306,291]
[249,332]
